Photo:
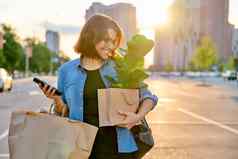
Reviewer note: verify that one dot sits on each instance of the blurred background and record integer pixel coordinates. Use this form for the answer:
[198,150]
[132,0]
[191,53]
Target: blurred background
[177,26]
[193,65]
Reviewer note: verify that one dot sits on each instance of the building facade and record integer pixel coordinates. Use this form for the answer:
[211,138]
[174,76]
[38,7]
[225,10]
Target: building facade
[235,43]
[52,41]
[176,41]
[214,23]
[201,18]
[123,13]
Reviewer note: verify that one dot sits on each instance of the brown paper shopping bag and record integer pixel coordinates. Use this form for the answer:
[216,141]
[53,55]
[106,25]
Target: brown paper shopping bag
[112,100]
[43,136]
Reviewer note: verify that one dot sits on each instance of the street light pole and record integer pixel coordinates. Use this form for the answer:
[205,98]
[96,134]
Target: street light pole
[26,66]
[28,54]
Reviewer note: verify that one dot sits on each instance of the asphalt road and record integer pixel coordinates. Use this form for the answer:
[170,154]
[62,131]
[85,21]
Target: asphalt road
[189,122]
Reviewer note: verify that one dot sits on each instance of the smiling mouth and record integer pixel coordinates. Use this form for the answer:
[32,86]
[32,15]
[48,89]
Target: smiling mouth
[108,51]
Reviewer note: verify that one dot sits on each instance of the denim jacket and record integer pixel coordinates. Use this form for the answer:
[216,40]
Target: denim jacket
[71,81]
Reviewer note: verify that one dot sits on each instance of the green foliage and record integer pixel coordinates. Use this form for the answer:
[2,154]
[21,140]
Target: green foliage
[168,67]
[63,57]
[41,58]
[138,46]
[130,68]
[205,55]
[22,61]
[12,55]
[56,65]
[12,49]
[2,58]
[230,65]
[191,67]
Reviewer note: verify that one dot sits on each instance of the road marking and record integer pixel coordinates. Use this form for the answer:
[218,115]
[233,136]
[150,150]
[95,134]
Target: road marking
[4,134]
[4,155]
[188,123]
[166,100]
[187,94]
[209,121]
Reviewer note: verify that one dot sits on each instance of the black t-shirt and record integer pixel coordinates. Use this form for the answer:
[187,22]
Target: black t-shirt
[106,139]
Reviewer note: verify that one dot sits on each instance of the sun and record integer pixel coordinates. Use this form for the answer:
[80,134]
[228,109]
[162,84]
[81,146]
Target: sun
[158,18]
[153,14]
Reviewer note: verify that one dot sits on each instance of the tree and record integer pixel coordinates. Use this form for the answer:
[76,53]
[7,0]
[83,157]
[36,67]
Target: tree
[12,49]
[191,66]
[205,55]
[168,67]
[63,57]
[41,58]
[230,65]
[2,58]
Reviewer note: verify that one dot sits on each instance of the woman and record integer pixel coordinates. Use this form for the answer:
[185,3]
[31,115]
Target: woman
[78,80]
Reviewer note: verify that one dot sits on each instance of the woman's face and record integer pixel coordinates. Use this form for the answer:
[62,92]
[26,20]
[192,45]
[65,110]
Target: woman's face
[106,46]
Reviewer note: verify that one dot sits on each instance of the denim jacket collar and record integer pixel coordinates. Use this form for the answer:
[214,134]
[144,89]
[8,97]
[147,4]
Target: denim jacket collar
[79,65]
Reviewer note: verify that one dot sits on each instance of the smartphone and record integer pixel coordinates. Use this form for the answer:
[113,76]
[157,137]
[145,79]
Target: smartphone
[43,83]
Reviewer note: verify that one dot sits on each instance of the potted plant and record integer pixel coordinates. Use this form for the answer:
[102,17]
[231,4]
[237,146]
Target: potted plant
[124,91]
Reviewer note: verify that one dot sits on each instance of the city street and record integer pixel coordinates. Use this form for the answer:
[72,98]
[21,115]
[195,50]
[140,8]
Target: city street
[189,122]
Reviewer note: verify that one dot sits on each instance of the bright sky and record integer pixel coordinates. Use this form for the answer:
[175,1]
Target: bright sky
[29,16]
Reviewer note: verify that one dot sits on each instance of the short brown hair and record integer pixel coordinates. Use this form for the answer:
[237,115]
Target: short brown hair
[94,31]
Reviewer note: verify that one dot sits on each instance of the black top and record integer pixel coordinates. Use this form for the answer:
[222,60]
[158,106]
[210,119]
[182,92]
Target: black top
[106,139]
[92,83]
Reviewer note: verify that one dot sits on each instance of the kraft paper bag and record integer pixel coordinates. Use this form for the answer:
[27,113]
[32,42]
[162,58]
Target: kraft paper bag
[43,136]
[112,100]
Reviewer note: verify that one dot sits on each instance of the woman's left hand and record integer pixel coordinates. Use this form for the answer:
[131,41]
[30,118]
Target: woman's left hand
[131,119]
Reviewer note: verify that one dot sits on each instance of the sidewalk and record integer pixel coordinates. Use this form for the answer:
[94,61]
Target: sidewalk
[213,81]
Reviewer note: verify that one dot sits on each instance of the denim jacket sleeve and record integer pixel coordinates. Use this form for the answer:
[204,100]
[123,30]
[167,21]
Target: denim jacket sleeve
[145,93]
[60,84]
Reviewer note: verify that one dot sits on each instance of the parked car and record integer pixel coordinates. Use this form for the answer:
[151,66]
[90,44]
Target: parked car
[229,75]
[232,76]
[5,80]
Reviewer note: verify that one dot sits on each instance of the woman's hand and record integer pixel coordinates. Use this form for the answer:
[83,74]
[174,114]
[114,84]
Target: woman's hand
[50,92]
[131,119]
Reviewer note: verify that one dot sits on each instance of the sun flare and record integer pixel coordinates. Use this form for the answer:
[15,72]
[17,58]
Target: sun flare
[153,13]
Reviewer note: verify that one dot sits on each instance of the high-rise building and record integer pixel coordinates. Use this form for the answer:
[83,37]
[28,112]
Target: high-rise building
[214,23]
[201,18]
[123,13]
[52,41]
[235,43]
[176,41]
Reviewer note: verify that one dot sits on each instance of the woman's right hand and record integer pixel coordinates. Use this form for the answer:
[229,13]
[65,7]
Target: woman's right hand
[50,92]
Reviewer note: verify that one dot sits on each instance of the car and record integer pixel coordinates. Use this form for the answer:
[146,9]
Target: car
[5,80]
[232,76]
[229,75]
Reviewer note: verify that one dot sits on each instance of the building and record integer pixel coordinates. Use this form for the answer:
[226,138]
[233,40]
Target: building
[52,41]
[235,43]
[123,13]
[214,23]
[200,18]
[176,41]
